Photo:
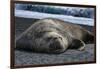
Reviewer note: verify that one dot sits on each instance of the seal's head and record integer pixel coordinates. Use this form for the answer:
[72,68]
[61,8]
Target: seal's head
[52,42]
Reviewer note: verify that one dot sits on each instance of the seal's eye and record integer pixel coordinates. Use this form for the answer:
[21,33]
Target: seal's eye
[49,38]
[55,38]
[39,34]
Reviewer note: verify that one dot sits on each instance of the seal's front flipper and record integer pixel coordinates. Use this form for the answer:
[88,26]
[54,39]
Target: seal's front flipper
[77,44]
[82,45]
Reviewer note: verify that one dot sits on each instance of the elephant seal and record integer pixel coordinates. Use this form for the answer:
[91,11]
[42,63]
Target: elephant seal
[53,36]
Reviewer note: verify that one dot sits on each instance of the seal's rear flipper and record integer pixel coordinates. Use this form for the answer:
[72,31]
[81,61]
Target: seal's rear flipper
[90,38]
[77,44]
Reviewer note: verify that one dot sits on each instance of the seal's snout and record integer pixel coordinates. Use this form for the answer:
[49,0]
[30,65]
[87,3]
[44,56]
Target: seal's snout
[56,45]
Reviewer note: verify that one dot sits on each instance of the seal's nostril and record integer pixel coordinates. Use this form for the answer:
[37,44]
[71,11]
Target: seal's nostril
[57,38]
[60,38]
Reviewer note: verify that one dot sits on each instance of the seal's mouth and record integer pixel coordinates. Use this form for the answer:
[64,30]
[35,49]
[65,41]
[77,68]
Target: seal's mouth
[55,46]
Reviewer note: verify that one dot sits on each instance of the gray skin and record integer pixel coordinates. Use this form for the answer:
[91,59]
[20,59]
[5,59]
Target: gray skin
[53,36]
